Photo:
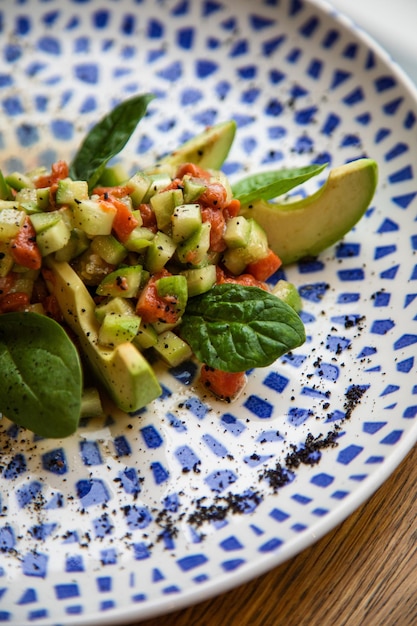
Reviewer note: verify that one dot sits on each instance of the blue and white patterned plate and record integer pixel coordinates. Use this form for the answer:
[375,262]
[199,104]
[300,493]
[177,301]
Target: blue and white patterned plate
[142,514]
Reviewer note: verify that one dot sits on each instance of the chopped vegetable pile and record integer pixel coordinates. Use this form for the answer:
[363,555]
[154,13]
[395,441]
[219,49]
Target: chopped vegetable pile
[158,262]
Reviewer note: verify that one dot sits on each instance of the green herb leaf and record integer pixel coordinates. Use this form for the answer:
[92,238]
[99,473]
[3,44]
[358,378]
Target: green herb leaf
[269,185]
[107,138]
[235,328]
[41,384]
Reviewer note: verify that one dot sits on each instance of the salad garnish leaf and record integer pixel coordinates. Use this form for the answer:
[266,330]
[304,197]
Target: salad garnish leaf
[107,138]
[271,184]
[235,328]
[41,376]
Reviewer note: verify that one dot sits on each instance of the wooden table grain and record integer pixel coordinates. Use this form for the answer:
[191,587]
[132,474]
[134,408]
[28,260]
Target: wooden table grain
[362,573]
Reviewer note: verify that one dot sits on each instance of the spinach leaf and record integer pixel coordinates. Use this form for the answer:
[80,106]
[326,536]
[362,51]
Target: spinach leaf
[107,138]
[235,328]
[41,384]
[269,185]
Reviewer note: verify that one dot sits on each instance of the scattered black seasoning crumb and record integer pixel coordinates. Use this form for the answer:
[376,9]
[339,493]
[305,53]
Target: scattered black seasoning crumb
[353,398]
[276,477]
[233,503]
[310,452]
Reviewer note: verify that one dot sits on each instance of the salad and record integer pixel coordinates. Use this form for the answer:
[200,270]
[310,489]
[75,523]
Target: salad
[101,273]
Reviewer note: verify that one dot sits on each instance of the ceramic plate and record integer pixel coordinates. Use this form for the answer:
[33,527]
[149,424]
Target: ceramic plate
[141,514]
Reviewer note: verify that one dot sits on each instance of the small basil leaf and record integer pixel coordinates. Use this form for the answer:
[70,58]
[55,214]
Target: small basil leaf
[41,384]
[235,328]
[107,138]
[269,185]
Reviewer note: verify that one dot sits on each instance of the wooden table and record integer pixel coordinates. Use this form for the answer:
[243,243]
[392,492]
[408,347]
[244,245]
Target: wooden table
[363,573]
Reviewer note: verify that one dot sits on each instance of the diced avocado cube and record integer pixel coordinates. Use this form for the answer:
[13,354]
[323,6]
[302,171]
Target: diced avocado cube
[172,349]
[186,220]
[117,328]
[160,251]
[124,282]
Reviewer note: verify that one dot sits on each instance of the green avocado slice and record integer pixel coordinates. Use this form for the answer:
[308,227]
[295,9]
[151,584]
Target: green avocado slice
[124,371]
[208,149]
[306,227]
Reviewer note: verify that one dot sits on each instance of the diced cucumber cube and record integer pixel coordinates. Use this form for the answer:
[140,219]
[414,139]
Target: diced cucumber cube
[113,176]
[160,251]
[118,305]
[172,349]
[19,181]
[237,232]
[193,252]
[43,221]
[76,245]
[94,218]
[11,221]
[53,238]
[6,259]
[140,185]
[71,191]
[124,282]
[288,292]
[5,191]
[257,247]
[146,337]
[186,220]
[42,197]
[163,205]
[27,200]
[116,329]
[192,189]
[236,259]
[200,279]
[91,403]
[109,248]
[174,287]
[159,181]
[139,239]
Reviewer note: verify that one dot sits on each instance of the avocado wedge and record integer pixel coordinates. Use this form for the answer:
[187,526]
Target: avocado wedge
[306,227]
[208,149]
[124,371]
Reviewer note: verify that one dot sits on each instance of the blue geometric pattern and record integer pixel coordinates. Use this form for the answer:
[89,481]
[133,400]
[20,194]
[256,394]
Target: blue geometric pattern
[128,515]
